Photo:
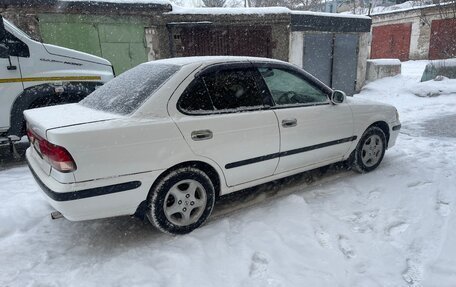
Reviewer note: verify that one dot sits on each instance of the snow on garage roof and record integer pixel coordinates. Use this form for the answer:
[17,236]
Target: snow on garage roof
[159,2]
[324,14]
[230,11]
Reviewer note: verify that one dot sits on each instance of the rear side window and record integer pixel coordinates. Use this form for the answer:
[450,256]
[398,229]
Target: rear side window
[222,91]
[196,98]
[127,92]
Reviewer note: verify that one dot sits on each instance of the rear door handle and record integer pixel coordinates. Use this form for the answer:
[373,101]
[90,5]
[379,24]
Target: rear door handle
[201,135]
[288,123]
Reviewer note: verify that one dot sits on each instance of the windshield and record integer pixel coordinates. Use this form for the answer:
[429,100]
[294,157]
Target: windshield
[126,93]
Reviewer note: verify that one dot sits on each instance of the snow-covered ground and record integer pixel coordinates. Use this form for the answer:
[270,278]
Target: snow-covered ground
[392,227]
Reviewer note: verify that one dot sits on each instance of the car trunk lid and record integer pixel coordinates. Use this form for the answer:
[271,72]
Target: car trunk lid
[41,120]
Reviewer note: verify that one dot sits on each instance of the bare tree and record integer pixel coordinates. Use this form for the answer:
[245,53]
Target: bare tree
[214,3]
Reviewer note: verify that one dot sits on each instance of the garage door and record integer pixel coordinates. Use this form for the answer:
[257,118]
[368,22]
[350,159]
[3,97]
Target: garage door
[391,41]
[443,39]
[333,59]
[222,40]
[121,41]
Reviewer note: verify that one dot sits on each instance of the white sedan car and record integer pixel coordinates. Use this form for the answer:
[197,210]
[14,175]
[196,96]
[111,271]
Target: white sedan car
[170,136]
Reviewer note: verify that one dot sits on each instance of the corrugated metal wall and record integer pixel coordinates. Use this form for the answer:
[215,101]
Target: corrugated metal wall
[391,41]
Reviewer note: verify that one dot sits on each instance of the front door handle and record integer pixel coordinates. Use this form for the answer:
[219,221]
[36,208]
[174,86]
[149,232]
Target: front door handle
[288,123]
[201,135]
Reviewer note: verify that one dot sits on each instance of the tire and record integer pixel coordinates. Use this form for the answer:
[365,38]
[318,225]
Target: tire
[370,150]
[181,201]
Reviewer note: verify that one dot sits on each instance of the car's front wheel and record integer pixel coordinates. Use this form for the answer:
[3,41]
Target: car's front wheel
[181,201]
[370,150]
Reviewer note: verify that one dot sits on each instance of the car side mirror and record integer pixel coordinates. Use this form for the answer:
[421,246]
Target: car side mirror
[337,97]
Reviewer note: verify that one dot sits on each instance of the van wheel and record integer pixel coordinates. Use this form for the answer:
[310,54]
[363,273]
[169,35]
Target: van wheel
[370,150]
[181,201]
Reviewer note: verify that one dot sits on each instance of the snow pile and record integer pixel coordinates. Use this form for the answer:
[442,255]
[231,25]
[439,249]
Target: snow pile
[390,227]
[441,86]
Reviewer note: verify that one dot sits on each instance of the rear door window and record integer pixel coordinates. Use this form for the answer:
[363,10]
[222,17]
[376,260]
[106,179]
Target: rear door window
[223,91]
[233,90]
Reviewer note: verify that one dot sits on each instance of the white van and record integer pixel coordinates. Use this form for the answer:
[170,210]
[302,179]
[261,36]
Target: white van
[34,74]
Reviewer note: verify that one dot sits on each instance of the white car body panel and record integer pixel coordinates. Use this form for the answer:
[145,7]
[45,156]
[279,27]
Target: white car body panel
[8,91]
[111,149]
[335,120]
[232,142]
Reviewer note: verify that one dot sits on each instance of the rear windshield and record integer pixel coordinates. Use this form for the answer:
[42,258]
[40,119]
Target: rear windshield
[127,92]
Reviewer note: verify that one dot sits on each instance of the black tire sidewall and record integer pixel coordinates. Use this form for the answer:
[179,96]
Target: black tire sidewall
[358,162]
[156,212]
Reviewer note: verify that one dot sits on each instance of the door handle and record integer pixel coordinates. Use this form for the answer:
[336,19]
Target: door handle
[288,123]
[201,135]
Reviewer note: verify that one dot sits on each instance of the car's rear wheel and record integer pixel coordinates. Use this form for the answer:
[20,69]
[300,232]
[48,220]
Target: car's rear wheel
[370,150]
[181,201]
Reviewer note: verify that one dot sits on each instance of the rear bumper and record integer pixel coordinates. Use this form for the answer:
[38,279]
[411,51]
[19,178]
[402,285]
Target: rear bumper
[94,199]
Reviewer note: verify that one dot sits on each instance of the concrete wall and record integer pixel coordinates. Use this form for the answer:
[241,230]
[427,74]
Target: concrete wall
[363,54]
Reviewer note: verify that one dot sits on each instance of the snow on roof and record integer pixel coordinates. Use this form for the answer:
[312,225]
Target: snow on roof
[408,7]
[230,11]
[257,11]
[403,7]
[158,2]
[324,14]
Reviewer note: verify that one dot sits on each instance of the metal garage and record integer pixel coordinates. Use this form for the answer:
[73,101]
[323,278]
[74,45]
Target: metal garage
[192,40]
[118,39]
[332,48]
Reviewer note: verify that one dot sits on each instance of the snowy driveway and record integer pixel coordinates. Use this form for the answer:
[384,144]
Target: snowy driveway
[392,227]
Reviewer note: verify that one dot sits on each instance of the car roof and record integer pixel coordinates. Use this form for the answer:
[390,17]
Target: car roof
[181,61]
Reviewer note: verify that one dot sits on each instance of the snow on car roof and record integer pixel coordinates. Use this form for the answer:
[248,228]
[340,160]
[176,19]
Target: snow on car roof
[181,61]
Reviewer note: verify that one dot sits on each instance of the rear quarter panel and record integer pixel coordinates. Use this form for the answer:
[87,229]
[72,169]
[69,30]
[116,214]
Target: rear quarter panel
[121,147]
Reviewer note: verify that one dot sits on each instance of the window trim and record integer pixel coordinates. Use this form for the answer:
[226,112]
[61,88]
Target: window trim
[299,73]
[224,67]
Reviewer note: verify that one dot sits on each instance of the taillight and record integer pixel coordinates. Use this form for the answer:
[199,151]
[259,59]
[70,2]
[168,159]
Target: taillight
[58,157]
[30,135]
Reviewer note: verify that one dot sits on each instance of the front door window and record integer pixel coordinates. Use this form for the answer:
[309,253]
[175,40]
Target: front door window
[288,88]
